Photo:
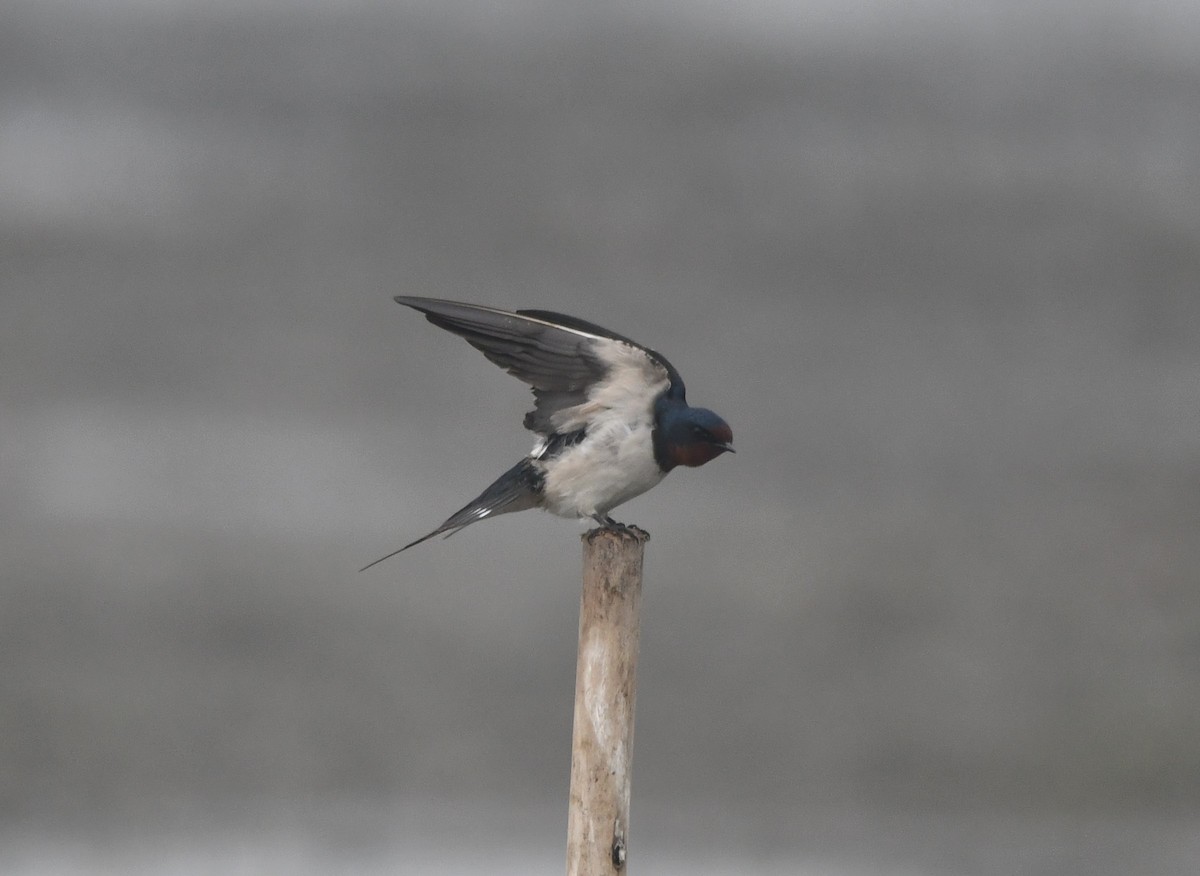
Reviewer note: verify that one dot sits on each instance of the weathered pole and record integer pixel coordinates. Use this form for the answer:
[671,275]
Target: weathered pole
[605,694]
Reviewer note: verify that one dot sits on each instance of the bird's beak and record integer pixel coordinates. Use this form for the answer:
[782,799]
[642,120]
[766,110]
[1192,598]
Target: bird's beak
[724,447]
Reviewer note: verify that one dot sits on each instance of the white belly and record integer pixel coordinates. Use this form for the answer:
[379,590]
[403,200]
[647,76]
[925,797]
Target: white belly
[612,465]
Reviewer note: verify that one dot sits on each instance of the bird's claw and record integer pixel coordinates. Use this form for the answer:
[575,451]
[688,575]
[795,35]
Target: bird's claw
[621,529]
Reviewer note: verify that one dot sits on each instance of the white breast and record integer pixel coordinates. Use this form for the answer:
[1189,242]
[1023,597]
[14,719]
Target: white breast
[614,463]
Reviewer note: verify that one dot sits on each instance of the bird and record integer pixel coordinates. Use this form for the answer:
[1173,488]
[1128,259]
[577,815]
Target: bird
[611,415]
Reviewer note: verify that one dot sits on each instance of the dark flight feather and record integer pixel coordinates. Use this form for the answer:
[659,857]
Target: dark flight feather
[552,352]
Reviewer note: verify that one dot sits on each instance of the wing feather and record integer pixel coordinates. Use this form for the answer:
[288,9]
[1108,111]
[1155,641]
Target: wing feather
[576,368]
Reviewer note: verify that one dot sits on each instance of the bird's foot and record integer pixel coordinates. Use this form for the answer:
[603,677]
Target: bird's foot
[607,524]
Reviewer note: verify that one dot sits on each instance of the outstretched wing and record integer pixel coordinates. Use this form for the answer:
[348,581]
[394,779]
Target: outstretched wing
[576,368]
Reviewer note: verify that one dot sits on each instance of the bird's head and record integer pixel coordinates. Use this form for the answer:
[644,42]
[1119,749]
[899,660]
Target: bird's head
[690,436]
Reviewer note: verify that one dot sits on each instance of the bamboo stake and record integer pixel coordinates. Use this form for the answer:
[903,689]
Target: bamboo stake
[605,694]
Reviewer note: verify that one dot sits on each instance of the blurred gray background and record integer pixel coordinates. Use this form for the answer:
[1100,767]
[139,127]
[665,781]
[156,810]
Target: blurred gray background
[938,263]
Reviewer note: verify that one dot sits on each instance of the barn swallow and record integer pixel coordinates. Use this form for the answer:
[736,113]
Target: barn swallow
[611,416]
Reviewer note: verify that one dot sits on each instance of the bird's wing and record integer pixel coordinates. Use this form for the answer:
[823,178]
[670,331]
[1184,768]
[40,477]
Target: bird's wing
[576,368]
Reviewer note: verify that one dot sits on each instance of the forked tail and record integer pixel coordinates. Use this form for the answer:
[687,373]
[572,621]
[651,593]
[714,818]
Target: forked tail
[517,489]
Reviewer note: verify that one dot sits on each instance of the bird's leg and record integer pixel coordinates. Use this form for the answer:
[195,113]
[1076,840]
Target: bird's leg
[608,523]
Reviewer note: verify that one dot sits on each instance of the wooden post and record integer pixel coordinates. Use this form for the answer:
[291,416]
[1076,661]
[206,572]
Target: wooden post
[605,693]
